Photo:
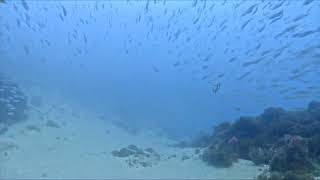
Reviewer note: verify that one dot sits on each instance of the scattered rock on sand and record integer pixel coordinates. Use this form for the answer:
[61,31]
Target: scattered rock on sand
[123,152]
[7,144]
[75,115]
[172,156]
[137,157]
[33,128]
[44,175]
[3,128]
[52,124]
[149,150]
[185,157]
[197,151]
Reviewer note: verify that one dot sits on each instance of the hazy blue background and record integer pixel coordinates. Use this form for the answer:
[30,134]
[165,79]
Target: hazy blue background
[146,62]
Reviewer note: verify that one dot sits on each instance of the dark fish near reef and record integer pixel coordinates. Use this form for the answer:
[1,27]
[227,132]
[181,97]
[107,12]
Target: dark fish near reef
[212,6]
[258,46]
[211,23]
[288,29]
[276,15]
[195,3]
[223,23]
[262,28]
[221,75]
[300,17]
[176,64]
[205,67]
[61,17]
[85,38]
[305,33]
[25,5]
[155,69]
[275,20]
[64,10]
[18,23]
[207,58]
[245,24]
[308,50]
[216,88]
[146,8]
[244,75]
[138,18]
[196,20]
[249,10]
[232,59]
[204,77]
[237,108]
[283,91]
[306,2]
[26,50]
[277,5]
[249,63]
[265,52]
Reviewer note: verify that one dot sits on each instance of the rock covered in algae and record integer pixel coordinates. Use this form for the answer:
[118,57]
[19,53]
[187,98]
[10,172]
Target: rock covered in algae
[219,157]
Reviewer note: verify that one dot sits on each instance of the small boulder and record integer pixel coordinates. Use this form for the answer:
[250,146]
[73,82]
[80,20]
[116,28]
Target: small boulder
[123,152]
[52,124]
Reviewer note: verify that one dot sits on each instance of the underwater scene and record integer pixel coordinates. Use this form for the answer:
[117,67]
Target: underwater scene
[160,89]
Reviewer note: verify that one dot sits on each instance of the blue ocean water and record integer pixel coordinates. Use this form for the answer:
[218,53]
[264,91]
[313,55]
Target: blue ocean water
[182,66]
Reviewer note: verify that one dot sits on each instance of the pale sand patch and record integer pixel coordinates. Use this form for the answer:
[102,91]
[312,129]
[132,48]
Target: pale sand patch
[81,148]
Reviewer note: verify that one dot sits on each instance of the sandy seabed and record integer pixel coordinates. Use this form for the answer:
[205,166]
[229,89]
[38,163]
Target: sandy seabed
[80,148]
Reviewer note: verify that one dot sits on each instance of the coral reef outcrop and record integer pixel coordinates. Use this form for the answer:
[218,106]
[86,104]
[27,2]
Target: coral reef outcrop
[287,141]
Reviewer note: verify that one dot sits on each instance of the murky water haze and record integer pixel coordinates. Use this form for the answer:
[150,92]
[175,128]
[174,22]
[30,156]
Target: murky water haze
[179,65]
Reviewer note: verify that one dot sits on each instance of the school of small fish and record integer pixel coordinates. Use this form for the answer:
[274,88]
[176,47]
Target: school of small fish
[218,41]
